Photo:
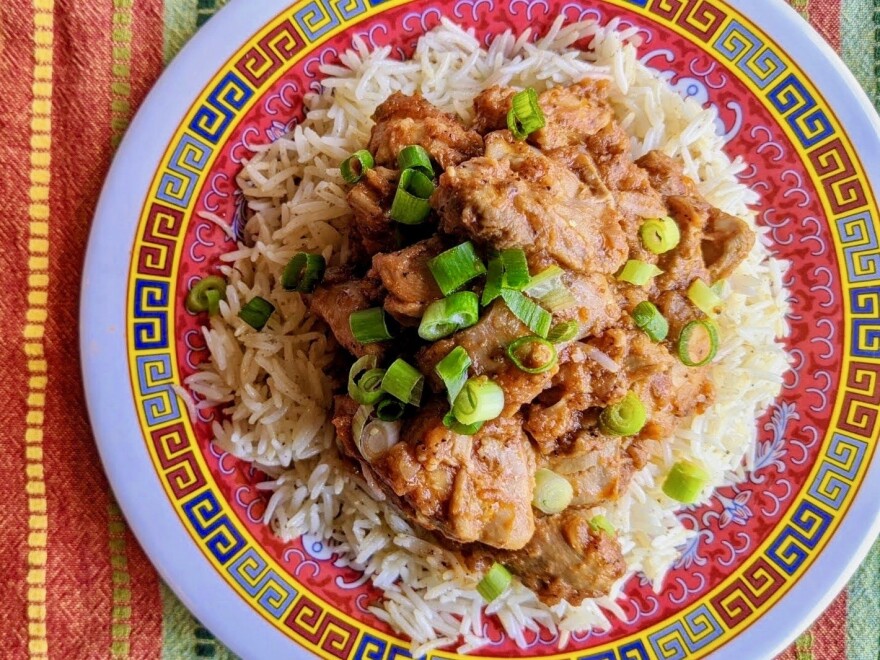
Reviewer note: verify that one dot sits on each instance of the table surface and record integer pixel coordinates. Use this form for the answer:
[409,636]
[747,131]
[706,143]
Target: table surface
[77,584]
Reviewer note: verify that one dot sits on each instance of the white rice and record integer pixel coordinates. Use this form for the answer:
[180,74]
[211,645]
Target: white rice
[271,384]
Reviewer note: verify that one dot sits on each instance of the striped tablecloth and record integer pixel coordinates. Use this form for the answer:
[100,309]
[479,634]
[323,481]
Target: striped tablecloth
[76,585]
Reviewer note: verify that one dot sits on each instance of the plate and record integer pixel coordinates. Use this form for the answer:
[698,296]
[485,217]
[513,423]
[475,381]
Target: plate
[770,554]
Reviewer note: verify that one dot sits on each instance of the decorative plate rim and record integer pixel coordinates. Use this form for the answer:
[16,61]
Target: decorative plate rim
[178,559]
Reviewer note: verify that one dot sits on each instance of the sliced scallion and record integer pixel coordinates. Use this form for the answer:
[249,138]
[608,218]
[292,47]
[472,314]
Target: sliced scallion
[702,295]
[626,417]
[197,299]
[213,297]
[303,272]
[369,325]
[529,312]
[455,426]
[479,401]
[638,272]
[353,167]
[562,332]
[531,354]
[404,382]
[410,205]
[456,267]
[599,523]
[256,312]
[390,409]
[685,481]
[447,315]
[415,157]
[525,115]
[365,380]
[648,318]
[553,492]
[494,279]
[516,269]
[548,287]
[698,343]
[494,583]
[660,235]
[453,371]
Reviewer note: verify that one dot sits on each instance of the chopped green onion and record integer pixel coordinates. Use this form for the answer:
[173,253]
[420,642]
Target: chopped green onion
[525,114]
[369,325]
[354,166]
[495,582]
[494,279]
[516,269]
[547,286]
[414,157]
[445,316]
[365,380]
[685,482]
[479,401]
[404,382]
[600,523]
[638,272]
[702,295]
[562,332]
[213,297]
[660,235]
[698,343]
[410,205]
[529,312]
[647,317]
[553,493]
[533,355]
[453,370]
[197,299]
[390,409]
[303,272]
[456,267]
[455,426]
[626,417]
[359,421]
[257,312]
[719,287]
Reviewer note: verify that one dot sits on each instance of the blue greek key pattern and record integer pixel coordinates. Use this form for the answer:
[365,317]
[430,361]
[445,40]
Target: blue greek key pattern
[224,102]
[858,234]
[809,122]
[755,59]
[178,182]
[370,648]
[271,590]
[808,525]
[213,526]
[316,19]
[150,314]
[865,303]
[838,471]
[686,636]
[154,378]
[630,651]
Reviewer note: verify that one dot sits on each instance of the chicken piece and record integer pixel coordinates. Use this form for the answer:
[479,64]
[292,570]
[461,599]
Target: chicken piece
[596,306]
[370,200]
[567,560]
[515,196]
[410,284]
[573,113]
[403,120]
[469,488]
[677,310]
[726,244]
[683,264]
[667,175]
[336,302]
[490,109]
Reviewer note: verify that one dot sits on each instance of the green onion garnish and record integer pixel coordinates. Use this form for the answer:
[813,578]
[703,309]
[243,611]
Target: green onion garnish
[197,299]
[599,523]
[365,380]
[698,343]
[525,114]
[561,332]
[702,295]
[516,269]
[648,318]
[410,205]
[547,286]
[494,279]
[479,401]
[455,426]
[456,267]
[453,371]
[685,482]
[660,235]
[303,272]
[256,312]
[495,582]
[638,272]
[390,409]
[414,157]
[529,312]
[626,417]
[404,382]
[553,493]
[445,316]
[533,355]
[369,325]
[213,297]
[354,166]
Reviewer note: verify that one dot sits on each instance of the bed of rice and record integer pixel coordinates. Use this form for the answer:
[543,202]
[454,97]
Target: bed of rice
[271,384]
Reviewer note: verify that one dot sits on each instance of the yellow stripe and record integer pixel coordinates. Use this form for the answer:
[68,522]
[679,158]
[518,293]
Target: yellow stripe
[120,617]
[34,330]
[120,85]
